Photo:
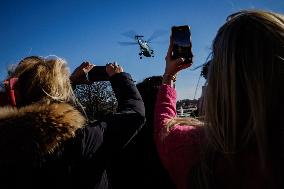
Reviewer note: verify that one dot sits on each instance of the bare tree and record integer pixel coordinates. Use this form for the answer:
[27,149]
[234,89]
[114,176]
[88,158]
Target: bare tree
[97,99]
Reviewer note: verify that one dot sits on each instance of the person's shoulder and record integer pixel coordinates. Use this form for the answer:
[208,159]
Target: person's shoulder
[93,132]
[50,124]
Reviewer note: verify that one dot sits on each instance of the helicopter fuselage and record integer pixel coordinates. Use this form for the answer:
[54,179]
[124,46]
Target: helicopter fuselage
[144,48]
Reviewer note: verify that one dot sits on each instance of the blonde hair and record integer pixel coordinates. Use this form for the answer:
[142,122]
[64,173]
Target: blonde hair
[45,80]
[183,121]
[243,98]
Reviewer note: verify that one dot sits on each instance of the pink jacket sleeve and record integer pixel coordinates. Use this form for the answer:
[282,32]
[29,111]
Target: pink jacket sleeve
[179,148]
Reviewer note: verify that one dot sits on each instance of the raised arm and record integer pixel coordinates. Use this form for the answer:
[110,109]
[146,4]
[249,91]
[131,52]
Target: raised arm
[130,115]
[114,133]
[165,109]
[178,146]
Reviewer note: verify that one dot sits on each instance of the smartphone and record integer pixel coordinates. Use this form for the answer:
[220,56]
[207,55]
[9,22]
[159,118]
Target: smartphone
[181,36]
[98,73]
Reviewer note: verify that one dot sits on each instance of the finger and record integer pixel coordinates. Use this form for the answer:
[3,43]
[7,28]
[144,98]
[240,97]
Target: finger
[88,68]
[85,66]
[89,64]
[85,63]
[180,61]
[109,66]
[184,66]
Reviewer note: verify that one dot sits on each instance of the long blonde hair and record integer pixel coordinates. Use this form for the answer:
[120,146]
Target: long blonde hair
[243,99]
[41,79]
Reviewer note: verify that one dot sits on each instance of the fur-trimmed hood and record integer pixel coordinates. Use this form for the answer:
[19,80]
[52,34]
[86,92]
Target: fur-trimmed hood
[39,126]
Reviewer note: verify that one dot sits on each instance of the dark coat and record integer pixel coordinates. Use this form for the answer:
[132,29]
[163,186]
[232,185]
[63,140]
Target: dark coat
[138,165]
[50,146]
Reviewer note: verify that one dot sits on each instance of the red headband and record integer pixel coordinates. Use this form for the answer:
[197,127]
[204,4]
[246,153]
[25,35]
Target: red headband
[9,85]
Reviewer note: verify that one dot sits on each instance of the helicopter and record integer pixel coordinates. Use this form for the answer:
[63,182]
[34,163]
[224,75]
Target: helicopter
[145,49]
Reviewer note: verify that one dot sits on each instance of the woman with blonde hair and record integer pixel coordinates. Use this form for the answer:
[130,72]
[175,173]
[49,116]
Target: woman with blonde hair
[241,143]
[45,142]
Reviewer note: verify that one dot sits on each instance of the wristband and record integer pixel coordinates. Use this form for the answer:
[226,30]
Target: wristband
[171,77]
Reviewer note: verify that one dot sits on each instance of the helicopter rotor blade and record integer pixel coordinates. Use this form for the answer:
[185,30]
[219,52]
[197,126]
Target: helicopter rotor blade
[127,43]
[131,34]
[156,34]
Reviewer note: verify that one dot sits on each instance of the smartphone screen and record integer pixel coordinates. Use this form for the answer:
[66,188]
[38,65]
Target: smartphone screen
[182,43]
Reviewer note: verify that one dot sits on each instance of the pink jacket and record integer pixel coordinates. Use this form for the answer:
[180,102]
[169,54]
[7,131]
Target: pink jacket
[179,149]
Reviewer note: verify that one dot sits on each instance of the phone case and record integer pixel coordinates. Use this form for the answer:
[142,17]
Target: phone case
[98,73]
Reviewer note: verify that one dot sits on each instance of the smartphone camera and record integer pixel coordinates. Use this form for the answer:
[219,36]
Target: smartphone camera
[98,73]
[181,36]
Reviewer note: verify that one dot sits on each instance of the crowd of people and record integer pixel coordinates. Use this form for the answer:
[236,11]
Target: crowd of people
[46,140]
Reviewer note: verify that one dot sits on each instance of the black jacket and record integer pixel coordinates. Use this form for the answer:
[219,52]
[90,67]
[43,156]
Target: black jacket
[41,151]
[138,165]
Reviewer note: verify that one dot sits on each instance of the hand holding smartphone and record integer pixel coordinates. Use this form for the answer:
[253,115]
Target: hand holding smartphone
[181,36]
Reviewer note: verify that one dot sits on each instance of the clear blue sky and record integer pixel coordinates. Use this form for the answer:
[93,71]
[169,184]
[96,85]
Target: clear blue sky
[90,30]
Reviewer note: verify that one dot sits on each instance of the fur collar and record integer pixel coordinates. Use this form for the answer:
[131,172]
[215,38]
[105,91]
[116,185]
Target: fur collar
[42,125]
